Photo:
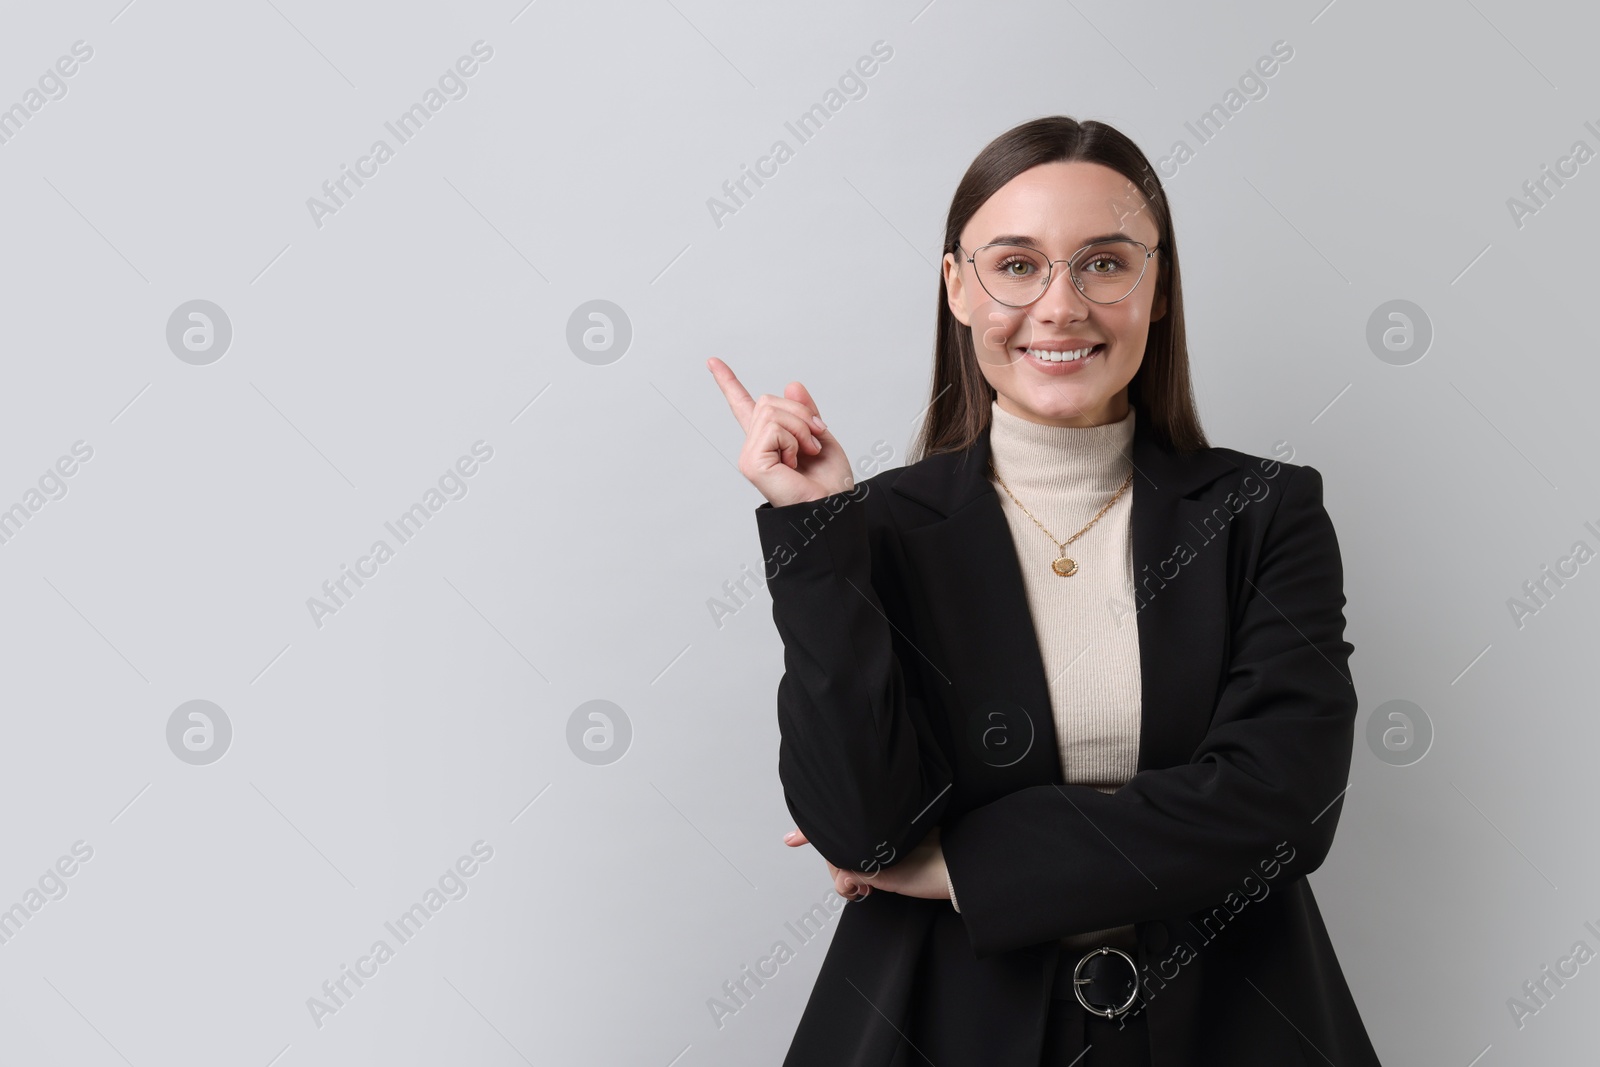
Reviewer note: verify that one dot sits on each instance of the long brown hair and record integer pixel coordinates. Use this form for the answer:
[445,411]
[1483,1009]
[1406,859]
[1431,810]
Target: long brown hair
[1161,390]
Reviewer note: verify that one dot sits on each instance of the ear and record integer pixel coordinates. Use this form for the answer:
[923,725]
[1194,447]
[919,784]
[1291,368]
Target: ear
[955,288]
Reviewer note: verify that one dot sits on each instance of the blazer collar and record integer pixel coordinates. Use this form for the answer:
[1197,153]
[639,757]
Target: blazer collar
[967,564]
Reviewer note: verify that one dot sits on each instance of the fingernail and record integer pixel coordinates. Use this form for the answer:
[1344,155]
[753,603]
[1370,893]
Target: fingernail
[820,424]
[790,836]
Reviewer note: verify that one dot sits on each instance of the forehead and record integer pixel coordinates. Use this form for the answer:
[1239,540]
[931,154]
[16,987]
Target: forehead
[1063,206]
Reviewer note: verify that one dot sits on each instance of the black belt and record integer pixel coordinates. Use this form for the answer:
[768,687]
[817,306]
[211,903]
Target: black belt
[1105,980]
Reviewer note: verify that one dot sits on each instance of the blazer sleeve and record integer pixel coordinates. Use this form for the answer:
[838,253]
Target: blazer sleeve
[862,773]
[1053,860]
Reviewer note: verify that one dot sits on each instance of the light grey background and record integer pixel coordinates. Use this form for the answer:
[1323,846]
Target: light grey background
[432,311]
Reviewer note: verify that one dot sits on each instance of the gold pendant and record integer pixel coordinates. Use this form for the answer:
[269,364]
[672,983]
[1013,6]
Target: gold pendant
[1065,567]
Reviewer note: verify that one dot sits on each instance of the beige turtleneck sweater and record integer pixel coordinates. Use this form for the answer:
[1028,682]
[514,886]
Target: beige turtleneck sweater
[1065,475]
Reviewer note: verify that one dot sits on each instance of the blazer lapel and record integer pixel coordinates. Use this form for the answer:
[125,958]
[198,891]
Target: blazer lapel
[988,649]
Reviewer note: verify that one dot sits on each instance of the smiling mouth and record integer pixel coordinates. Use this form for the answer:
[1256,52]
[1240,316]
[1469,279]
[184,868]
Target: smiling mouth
[1073,356]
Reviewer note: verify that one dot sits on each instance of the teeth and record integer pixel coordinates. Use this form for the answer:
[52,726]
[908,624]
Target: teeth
[1060,357]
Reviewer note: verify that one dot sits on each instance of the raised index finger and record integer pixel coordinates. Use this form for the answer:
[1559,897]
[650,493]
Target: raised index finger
[738,397]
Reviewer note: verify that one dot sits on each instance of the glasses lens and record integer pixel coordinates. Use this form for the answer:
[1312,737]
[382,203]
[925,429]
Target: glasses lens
[1108,271]
[1012,274]
[1016,275]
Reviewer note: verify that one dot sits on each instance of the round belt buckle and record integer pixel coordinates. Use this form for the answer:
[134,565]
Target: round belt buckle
[1109,1011]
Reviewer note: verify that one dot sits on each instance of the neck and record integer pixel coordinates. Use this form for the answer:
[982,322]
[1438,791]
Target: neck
[1051,462]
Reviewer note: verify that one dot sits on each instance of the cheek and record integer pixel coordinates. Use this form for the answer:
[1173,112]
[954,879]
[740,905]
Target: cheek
[1134,320]
[996,326]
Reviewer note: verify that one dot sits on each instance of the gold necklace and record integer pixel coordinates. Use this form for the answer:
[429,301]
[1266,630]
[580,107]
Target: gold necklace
[1063,565]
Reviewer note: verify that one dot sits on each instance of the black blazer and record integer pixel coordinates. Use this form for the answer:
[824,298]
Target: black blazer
[914,695]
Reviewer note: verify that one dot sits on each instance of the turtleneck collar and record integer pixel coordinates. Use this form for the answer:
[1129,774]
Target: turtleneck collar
[1056,460]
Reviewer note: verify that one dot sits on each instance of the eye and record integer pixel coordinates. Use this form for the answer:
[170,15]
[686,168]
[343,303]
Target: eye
[1104,263]
[1005,266]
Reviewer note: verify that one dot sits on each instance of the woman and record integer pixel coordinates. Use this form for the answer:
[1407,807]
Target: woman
[1071,689]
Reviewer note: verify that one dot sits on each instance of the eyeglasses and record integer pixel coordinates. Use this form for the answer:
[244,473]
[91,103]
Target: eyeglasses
[1104,272]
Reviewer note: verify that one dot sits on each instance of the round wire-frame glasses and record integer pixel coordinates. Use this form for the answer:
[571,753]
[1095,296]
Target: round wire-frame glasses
[1072,269]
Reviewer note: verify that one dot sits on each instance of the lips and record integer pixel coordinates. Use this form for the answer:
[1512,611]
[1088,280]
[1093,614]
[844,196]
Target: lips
[1055,352]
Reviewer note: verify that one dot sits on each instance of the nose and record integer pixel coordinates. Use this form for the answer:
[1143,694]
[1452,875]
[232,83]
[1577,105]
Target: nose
[1061,300]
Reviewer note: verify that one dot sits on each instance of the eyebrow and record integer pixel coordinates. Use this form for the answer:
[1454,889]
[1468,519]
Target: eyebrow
[1031,242]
